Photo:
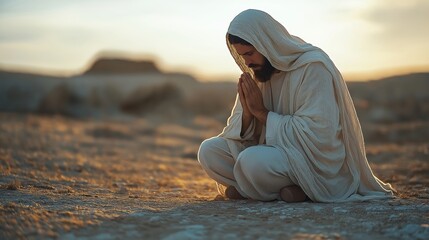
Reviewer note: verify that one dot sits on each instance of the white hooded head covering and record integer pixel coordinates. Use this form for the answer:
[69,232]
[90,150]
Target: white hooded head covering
[283,50]
[287,53]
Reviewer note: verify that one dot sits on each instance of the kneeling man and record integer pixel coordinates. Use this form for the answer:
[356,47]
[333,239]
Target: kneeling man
[293,133]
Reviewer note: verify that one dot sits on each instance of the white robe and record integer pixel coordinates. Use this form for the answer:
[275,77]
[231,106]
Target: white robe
[312,117]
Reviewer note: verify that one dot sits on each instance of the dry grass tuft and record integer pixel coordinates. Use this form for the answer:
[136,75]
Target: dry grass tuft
[13,185]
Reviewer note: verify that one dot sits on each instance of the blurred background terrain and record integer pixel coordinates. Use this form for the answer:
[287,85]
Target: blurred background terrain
[120,88]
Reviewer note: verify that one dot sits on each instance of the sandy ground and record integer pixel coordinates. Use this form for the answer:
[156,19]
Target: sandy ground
[138,178]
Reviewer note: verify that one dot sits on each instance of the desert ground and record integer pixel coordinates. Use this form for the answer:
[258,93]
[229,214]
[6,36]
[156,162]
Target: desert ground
[111,153]
[138,178]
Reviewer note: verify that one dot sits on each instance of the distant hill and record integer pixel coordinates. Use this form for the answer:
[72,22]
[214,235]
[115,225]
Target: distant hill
[392,99]
[122,66]
[413,85]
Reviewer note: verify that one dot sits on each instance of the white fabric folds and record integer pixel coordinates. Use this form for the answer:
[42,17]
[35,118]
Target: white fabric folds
[312,118]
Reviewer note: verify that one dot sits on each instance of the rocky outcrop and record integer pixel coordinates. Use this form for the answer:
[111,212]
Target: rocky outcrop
[122,66]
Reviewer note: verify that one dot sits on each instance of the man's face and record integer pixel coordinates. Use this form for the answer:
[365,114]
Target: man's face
[256,61]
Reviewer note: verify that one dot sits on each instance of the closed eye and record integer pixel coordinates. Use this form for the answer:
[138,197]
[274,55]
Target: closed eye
[250,53]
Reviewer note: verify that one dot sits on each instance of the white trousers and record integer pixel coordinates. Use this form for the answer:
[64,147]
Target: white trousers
[259,172]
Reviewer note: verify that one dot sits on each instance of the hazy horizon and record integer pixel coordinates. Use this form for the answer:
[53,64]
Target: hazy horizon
[366,39]
[359,76]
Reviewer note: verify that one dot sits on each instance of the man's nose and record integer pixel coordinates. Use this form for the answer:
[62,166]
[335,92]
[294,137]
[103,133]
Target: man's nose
[247,61]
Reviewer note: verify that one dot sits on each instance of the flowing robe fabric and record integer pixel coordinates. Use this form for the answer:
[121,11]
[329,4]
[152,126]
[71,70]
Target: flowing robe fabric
[312,118]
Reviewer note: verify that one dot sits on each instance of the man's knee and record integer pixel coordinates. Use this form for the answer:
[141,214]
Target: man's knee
[249,162]
[208,149]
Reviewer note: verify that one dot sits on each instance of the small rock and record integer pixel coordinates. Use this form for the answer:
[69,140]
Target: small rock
[394,203]
[122,190]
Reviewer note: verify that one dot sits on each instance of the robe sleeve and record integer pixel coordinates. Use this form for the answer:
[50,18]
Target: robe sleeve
[315,114]
[233,128]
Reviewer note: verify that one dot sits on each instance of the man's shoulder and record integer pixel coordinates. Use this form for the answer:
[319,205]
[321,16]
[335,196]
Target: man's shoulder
[313,73]
[316,66]
[309,68]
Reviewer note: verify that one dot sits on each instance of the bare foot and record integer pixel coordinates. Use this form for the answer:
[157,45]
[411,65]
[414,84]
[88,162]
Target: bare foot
[232,193]
[292,194]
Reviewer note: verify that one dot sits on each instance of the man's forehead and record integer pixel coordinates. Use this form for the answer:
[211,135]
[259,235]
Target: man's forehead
[242,48]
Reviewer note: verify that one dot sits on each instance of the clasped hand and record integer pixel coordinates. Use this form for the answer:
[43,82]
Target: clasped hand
[251,98]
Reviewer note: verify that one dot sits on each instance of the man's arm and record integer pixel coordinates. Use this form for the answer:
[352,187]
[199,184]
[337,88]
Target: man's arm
[246,120]
[247,117]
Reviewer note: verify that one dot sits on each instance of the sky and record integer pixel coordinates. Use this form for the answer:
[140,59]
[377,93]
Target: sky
[363,37]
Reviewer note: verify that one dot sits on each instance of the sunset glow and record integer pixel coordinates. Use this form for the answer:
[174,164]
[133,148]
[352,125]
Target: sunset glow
[364,37]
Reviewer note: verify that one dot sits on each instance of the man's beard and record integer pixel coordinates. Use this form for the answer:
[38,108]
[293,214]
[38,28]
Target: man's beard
[265,72]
